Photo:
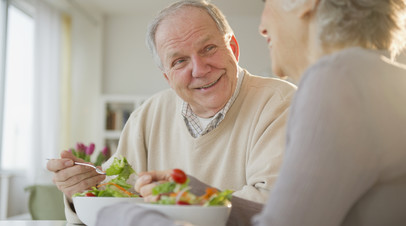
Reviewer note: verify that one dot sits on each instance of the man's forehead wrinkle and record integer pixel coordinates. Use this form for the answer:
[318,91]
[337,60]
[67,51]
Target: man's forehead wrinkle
[170,45]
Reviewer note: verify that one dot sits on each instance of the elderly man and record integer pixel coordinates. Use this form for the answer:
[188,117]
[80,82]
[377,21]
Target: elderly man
[218,123]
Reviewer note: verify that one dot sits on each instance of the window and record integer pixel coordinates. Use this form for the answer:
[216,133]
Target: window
[18,83]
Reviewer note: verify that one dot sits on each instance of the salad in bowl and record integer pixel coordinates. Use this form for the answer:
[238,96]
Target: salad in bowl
[176,200]
[177,192]
[88,203]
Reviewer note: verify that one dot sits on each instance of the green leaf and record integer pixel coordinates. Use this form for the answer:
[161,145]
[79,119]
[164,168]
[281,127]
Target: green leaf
[120,167]
[221,199]
[164,188]
[166,200]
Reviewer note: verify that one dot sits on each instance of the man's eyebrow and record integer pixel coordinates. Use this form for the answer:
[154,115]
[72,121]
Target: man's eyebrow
[173,55]
[200,42]
[204,40]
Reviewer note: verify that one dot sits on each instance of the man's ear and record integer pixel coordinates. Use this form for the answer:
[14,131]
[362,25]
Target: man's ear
[235,47]
[307,8]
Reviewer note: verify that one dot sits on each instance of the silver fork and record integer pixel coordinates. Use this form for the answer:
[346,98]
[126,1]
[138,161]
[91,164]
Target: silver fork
[99,171]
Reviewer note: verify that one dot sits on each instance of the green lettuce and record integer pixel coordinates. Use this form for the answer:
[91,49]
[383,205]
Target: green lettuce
[122,170]
[221,199]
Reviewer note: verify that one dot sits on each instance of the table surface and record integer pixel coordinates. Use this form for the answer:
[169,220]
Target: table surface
[34,223]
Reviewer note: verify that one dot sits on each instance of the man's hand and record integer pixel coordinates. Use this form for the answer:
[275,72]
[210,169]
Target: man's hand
[71,178]
[148,180]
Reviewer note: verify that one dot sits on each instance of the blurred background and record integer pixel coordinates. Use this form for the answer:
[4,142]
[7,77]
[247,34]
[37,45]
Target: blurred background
[71,71]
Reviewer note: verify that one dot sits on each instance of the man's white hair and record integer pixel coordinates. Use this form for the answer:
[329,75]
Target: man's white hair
[211,9]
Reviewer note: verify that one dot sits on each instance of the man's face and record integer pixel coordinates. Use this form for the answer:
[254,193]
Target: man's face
[199,63]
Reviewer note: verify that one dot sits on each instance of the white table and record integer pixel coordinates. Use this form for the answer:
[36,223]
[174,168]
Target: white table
[34,223]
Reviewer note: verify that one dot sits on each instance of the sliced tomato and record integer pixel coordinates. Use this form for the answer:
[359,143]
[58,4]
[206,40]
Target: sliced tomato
[179,176]
[89,194]
[182,203]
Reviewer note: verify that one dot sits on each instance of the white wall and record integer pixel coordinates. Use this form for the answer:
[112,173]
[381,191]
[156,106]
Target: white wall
[254,53]
[128,65]
[87,55]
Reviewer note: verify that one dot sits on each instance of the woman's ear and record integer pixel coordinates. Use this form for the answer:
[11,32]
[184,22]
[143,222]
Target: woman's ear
[234,46]
[307,8]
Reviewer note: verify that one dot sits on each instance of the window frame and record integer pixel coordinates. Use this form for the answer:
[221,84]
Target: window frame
[3,50]
[28,8]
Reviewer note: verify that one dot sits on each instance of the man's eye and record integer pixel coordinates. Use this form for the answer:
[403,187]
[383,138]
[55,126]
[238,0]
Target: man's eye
[209,48]
[177,62]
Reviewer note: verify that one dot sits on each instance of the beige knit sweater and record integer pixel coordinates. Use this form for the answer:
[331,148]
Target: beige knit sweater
[243,153]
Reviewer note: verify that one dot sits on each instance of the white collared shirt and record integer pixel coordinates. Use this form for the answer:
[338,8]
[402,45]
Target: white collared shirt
[198,126]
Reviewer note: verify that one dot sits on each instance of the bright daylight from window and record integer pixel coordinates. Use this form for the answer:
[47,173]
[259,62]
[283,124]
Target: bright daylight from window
[19,79]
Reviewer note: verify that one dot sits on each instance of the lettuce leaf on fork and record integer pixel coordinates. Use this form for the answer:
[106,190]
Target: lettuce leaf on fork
[122,169]
[116,187]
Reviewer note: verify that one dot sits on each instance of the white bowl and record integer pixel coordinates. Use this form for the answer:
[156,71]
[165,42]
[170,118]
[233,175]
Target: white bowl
[87,207]
[197,215]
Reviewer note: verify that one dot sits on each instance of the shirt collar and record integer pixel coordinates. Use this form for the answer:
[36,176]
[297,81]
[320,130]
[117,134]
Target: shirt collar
[192,120]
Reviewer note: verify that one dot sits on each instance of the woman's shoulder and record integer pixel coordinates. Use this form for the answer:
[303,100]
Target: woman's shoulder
[348,64]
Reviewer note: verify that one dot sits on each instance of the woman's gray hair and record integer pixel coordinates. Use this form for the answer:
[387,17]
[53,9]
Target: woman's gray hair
[373,24]
[211,9]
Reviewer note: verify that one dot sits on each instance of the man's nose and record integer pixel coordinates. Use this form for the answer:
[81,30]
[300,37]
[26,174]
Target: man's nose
[200,66]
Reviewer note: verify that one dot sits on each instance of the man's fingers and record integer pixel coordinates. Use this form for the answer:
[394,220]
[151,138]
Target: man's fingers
[145,182]
[69,155]
[77,171]
[76,179]
[146,190]
[67,160]
[54,165]
[143,179]
[151,176]
[71,178]
[161,175]
[78,183]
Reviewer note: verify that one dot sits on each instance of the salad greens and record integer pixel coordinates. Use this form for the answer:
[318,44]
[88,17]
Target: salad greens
[169,187]
[116,187]
[175,193]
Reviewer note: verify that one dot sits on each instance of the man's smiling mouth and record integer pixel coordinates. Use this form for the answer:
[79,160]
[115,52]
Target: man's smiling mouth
[209,85]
